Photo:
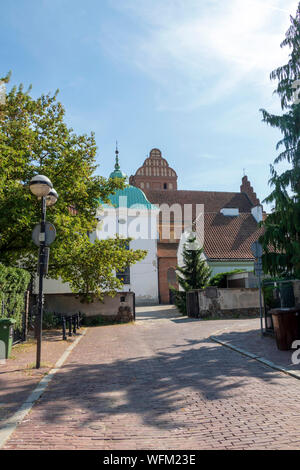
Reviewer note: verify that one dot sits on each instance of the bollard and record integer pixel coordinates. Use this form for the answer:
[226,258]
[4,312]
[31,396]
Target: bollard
[74,324]
[64,327]
[70,325]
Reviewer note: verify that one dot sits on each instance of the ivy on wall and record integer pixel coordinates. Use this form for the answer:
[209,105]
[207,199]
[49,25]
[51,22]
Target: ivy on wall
[13,285]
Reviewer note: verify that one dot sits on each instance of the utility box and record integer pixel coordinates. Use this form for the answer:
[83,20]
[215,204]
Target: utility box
[6,336]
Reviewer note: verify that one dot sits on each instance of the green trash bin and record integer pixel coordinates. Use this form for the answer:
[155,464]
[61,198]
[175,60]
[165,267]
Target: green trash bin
[6,336]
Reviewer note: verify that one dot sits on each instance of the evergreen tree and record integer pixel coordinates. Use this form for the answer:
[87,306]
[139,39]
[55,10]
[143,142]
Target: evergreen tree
[282,227]
[194,274]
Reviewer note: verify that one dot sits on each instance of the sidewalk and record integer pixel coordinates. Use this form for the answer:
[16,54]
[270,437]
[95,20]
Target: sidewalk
[18,376]
[250,339]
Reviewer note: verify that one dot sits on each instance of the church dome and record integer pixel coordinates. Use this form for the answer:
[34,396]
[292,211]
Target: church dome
[130,196]
[117,173]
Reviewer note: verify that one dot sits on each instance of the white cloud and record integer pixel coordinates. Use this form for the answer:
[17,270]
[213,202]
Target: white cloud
[199,51]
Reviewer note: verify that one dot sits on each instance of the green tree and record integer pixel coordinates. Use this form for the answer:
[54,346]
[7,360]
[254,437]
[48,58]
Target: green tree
[34,139]
[90,269]
[194,274]
[282,227]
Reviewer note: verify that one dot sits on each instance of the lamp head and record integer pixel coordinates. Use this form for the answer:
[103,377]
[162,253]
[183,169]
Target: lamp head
[51,197]
[40,185]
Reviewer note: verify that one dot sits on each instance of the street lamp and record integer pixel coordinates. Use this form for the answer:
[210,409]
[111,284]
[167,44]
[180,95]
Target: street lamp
[51,198]
[42,187]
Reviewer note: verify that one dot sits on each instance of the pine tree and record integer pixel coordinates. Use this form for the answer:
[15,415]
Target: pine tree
[194,274]
[282,226]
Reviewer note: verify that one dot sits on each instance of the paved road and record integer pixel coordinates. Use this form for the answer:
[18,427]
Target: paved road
[162,384]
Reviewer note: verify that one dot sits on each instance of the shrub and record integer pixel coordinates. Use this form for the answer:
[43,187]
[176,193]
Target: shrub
[50,321]
[220,280]
[13,285]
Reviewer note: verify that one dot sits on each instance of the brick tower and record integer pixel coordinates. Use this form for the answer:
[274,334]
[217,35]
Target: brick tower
[155,174]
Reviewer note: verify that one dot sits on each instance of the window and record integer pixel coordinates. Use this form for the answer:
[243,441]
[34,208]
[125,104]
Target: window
[124,276]
[165,186]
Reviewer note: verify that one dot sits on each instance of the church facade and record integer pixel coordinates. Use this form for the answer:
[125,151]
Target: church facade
[156,215]
[229,221]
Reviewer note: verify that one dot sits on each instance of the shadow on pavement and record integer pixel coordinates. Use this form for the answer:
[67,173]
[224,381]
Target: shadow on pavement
[153,387]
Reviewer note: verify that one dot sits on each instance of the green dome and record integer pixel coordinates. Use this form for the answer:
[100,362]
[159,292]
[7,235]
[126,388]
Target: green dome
[117,173]
[129,197]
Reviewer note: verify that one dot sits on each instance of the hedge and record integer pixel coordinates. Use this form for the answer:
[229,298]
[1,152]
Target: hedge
[220,280]
[13,285]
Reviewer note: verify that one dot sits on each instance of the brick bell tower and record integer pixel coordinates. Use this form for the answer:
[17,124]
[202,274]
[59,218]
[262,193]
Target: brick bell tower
[155,174]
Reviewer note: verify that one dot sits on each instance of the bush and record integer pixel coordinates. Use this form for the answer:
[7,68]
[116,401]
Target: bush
[179,300]
[13,285]
[50,321]
[220,280]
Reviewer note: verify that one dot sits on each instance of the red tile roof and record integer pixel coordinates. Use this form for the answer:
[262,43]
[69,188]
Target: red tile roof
[213,201]
[230,238]
[225,237]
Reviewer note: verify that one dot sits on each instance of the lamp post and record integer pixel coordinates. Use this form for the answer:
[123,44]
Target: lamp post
[42,187]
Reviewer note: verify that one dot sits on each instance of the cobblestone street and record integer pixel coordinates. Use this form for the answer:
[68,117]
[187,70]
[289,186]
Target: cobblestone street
[161,383]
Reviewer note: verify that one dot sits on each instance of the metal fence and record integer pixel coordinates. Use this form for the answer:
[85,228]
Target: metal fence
[8,304]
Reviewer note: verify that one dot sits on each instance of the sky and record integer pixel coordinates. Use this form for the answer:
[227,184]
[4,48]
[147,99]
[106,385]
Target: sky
[185,76]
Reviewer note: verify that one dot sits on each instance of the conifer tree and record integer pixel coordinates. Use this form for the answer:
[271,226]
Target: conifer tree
[282,227]
[194,274]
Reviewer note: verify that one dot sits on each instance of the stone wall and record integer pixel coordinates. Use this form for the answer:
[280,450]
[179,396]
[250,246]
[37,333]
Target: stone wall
[221,303]
[120,308]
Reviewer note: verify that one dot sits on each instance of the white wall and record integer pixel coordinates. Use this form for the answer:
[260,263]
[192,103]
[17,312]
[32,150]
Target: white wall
[144,274]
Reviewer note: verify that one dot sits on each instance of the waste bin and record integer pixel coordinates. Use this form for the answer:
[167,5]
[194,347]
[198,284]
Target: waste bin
[286,326]
[6,337]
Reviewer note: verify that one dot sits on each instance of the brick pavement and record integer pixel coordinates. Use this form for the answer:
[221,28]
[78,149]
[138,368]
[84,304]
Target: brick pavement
[18,376]
[162,384]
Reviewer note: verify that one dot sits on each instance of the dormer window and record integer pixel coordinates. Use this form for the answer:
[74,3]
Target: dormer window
[230,212]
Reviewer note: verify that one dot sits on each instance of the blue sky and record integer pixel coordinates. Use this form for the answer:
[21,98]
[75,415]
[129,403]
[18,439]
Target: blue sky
[186,76]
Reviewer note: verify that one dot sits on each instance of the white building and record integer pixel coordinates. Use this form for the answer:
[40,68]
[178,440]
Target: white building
[129,215]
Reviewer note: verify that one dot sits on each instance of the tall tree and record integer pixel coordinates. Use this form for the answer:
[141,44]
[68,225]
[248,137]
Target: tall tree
[282,227]
[193,274]
[34,139]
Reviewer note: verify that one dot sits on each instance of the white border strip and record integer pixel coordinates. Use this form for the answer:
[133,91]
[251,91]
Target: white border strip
[11,423]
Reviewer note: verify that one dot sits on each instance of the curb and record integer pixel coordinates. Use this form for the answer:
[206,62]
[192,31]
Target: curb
[12,423]
[262,360]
